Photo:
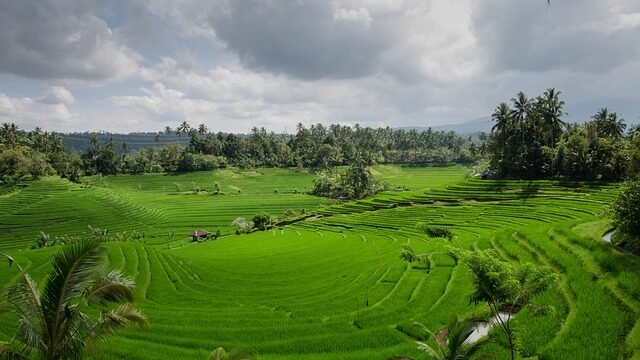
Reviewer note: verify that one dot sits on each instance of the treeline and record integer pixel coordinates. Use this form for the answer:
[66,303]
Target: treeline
[36,153]
[33,154]
[530,140]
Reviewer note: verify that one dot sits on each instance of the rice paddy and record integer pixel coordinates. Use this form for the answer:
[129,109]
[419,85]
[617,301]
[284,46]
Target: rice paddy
[333,286]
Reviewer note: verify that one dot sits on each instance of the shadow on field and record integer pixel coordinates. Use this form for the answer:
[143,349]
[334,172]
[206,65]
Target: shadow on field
[529,190]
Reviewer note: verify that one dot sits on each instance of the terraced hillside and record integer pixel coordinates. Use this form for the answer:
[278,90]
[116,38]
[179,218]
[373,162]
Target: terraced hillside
[333,286]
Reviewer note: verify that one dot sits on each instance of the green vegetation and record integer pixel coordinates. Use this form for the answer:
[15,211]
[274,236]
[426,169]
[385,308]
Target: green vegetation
[330,283]
[503,286]
[356,182]
[626,217]
[53,324]
[531,141]
[456,345]
[38,153]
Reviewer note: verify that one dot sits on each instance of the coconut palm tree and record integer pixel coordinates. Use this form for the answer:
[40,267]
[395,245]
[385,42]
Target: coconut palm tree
[601,116]
[614,126]
[502,115]
[183,129]
[202,129]
[457,345]
[521,107]
[53,324]
[552,113]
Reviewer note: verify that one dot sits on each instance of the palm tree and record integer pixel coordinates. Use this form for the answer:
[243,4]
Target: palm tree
[521,107]
[458,345]
[614,126]
[52,324]
[601,116]
[552,113]
[502,115]
[183,129]
[168,130]
[202,129]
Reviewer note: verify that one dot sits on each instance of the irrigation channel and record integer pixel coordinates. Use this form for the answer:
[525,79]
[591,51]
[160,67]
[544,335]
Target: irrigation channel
[607,236]
[482,329]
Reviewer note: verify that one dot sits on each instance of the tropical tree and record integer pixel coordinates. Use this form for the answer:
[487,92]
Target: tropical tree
[457,345]
[53,324]
[600,117]
[503,286]
[521,108]
[614,126]
[202,129]
[552,112]
[183,129]
[502,116]
[626,216]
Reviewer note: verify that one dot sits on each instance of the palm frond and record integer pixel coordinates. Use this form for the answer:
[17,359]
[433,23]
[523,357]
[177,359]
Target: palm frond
[218,354]
[25,297]
[112,287]
[72,270]
[122,317]
[429,350]
[7,353]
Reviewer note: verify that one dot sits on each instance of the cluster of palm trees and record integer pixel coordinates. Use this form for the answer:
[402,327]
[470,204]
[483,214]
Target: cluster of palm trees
[531,140]
[185,129]
[521,130]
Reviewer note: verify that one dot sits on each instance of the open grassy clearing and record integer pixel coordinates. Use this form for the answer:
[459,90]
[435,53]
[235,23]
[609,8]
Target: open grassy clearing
[335,287]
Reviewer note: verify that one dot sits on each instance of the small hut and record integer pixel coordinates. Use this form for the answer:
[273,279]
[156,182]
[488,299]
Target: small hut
[199,234]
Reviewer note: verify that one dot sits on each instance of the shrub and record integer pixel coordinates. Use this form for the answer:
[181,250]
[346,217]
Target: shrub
[262,221]
[626,216]
[435,232]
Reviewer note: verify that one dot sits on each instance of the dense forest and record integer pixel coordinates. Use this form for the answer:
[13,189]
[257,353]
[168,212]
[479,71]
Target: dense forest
[530,140]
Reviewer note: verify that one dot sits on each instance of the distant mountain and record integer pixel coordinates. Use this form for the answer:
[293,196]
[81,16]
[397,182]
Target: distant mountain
[465,128]
[627,108]
[79,142]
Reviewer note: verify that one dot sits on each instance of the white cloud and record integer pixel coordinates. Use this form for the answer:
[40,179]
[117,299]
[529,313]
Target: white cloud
[27,112]
[58,95]
[237,64]
[59,39]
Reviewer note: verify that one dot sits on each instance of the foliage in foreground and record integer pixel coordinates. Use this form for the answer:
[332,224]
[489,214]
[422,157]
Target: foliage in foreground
[53,324]
[457,345]
[626,217]
[504,286]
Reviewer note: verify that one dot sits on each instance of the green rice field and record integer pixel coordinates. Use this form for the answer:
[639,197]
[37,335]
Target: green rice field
[332,285]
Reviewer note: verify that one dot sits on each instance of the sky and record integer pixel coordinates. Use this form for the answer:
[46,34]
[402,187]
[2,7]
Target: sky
[126,66]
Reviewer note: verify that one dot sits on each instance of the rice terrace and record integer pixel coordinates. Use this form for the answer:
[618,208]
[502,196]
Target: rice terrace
[310,180]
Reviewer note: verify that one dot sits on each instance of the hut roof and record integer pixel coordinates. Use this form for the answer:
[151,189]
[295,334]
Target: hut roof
[200,233]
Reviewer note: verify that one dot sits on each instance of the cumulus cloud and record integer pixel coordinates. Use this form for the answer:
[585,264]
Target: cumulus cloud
[59,39]
[340,39]
[58,95]
[236,64]
[594,36]
[46,112]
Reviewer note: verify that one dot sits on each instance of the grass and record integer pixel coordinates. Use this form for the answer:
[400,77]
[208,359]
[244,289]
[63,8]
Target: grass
[335,287]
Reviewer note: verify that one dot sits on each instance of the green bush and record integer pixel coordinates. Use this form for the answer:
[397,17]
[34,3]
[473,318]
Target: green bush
[626,216]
